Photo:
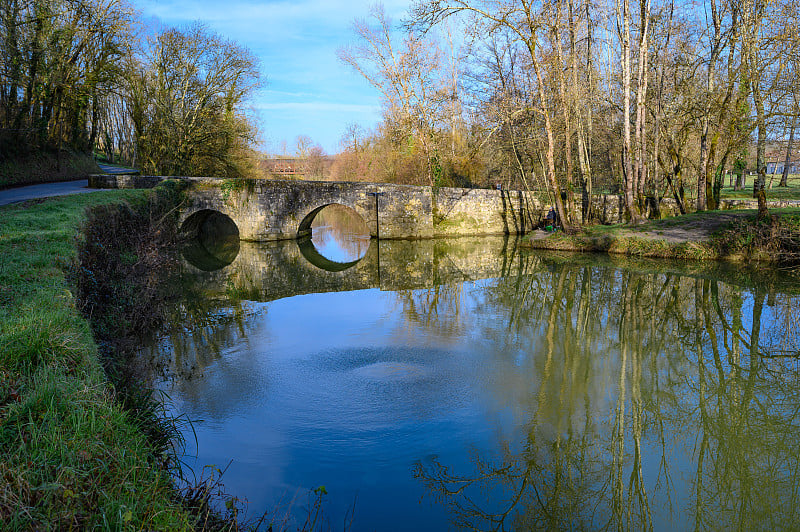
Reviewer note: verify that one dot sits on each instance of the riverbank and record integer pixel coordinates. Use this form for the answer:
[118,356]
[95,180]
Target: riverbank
[719,235]
[72,456]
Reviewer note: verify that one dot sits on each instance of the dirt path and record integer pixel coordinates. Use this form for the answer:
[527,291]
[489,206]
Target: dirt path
[673,230]
[689,230]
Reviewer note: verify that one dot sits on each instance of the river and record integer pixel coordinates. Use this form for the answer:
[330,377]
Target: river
[465,383]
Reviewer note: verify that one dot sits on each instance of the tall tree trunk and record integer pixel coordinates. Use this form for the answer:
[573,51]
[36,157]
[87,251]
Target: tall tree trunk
[751,18]
[706,157]
[676,181]
[759,184]
[641,103]
[788,159]
[702,178]
[627,159]
[583,136]
[551,165]
[566,105]
[741,180]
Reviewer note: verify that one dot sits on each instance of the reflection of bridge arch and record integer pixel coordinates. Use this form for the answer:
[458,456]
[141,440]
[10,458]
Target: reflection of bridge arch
[270,271]
[313,256]
[212,239]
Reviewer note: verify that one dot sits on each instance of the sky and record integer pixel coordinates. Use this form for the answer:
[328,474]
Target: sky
[308,91]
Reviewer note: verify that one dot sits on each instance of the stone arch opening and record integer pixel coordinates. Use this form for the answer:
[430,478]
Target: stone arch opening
[333,237]
[211,239]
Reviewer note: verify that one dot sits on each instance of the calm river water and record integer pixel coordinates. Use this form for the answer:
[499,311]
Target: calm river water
[461,383]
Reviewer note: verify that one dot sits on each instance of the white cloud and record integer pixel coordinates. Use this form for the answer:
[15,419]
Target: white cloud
[296,42]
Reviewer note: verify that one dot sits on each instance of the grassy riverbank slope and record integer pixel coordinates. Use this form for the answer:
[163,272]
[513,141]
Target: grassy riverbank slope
[70,456]
[729,235]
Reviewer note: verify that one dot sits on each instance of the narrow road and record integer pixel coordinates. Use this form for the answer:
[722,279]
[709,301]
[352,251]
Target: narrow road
[14,195]
[116,170]
[44,190]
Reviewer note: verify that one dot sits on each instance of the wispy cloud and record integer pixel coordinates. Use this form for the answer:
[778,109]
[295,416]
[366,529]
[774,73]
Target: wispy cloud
[308,90]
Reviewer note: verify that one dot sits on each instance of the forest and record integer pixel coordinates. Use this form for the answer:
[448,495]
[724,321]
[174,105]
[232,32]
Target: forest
[578,96]
[84,75]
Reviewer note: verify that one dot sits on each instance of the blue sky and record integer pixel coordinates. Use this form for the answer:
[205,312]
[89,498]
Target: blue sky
[308,91]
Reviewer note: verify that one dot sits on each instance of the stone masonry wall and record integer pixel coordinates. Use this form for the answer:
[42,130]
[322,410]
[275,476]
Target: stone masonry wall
[124,181]
[276,210]
[463,211]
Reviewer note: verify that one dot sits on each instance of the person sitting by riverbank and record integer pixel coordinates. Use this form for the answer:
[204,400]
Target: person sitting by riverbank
[551,220]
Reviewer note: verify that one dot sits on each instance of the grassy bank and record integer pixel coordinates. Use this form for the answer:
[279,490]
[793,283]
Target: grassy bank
[721,235]
[72,457]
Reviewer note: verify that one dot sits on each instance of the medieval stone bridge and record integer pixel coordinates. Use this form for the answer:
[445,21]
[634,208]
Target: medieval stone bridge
[264,210]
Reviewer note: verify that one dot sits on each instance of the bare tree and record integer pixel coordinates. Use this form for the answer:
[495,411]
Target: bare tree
[186,91]
[528,23]
[407,74]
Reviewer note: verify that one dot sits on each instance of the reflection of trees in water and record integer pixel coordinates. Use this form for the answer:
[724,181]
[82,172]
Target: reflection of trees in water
[781,337]
[438,307]
[204,325]
[344,226]
[618,372]
[619,368]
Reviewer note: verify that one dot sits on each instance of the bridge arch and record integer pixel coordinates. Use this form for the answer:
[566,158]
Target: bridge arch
[212,239]
[308,214]
[208,220]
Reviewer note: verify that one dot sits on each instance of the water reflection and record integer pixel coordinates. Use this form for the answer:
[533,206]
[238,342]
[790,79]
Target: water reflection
[212,240]
[310,252]
[657,404]
[503,391]
[338,235]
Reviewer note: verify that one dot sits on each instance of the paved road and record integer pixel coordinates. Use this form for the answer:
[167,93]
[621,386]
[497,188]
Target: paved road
[116,170]
[13,195]
[44,190]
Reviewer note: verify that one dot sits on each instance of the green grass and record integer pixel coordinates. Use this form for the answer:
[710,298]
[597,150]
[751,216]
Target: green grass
[792,192]
[71,457]
[740,239]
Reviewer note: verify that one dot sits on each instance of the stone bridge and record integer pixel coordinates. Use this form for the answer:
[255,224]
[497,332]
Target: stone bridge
[264,210]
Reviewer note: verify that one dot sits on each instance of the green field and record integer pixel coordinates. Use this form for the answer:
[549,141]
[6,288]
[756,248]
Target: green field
[775,192]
